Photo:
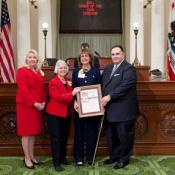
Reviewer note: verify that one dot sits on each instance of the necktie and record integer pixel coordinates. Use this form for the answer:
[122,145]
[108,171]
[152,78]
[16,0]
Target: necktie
[113,70]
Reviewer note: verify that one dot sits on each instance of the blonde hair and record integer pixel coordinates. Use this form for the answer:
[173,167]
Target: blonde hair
[57,65]
[38,65]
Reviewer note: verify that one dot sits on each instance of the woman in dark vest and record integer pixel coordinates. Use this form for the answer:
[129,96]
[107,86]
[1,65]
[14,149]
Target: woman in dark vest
[85,128]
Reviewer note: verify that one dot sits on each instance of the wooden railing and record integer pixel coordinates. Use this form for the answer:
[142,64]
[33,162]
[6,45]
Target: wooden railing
[155,127]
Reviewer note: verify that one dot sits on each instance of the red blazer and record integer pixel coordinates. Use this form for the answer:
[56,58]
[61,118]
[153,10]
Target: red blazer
[31,87]
[60,97]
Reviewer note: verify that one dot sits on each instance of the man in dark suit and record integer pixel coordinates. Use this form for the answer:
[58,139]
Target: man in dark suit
[121,107]
[95,58]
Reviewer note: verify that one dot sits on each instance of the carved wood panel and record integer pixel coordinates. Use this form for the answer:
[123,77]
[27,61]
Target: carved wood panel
[155,126]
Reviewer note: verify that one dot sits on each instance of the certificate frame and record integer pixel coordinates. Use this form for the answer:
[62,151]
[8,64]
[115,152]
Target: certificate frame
[88,100]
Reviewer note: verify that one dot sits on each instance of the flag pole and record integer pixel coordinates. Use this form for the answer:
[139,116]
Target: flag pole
[98,138]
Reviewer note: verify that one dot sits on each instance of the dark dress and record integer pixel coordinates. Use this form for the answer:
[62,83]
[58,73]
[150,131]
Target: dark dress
[85,128]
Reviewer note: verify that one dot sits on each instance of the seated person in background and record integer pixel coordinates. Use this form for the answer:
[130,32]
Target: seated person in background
[95,58]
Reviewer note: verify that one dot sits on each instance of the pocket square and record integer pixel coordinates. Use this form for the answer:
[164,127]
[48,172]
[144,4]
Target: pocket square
[116,75]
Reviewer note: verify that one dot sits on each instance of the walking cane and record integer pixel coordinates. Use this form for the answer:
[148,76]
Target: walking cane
[98,138]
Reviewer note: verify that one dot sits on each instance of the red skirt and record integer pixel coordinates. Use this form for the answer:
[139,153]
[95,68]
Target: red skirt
[29,121]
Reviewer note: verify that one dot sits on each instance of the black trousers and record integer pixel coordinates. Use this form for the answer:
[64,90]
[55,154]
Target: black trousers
[85,136]
[58,130]
[120,136]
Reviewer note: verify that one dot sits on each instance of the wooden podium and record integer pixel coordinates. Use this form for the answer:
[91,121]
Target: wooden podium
[48,72]
[142,73]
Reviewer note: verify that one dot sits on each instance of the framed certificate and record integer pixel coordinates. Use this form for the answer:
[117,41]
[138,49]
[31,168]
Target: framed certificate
[89,101]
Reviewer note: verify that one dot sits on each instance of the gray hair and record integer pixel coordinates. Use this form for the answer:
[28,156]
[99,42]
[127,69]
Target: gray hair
[58,63]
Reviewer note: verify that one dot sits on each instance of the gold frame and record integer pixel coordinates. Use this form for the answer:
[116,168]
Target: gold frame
[80,101]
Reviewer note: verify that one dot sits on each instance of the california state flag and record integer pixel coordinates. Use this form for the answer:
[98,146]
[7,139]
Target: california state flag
[171,44]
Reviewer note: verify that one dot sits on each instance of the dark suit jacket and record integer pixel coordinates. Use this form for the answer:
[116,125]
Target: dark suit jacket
[123,105]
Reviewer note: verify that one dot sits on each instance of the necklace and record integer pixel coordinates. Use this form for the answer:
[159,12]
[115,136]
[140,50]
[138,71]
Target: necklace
[86,69]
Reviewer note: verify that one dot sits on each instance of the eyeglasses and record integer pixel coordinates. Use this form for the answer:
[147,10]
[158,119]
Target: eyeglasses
[115,54]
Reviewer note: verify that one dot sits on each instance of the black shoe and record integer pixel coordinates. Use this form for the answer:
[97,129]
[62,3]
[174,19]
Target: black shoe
[29,167]
[59,168]
[120,164]
[65,162]
[89,163]
[110,161]
[80,163]
[37,163]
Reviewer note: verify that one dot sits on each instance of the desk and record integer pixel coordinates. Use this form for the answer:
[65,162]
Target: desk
[155,127]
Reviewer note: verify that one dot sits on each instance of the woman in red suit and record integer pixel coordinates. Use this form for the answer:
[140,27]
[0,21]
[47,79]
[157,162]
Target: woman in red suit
[58,111]
[30,100]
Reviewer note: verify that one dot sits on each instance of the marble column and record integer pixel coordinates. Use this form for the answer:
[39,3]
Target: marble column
[157,35]
[136,15]
[23,30]
[44,15]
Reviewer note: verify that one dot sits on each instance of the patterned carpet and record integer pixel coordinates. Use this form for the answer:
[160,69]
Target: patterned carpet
[139,165]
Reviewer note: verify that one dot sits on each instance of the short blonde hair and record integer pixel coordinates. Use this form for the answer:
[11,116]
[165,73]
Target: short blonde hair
[38,65]
[57,65]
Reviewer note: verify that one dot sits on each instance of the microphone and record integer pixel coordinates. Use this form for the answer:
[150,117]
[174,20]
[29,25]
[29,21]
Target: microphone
[96,53]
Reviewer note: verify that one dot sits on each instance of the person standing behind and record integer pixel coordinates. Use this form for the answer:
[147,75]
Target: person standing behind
[95,58]
[85,128]
[30,101]
[58,112]
[121,107]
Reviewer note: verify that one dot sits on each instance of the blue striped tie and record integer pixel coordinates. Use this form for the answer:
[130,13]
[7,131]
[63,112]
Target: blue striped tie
[113,70]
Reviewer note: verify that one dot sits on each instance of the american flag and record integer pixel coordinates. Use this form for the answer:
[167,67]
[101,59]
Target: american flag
[7,69]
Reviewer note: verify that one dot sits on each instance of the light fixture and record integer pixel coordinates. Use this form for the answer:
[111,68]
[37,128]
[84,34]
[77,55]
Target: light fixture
[136,30]
[136,25]
[147,3]
[33,3]
[45,30]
